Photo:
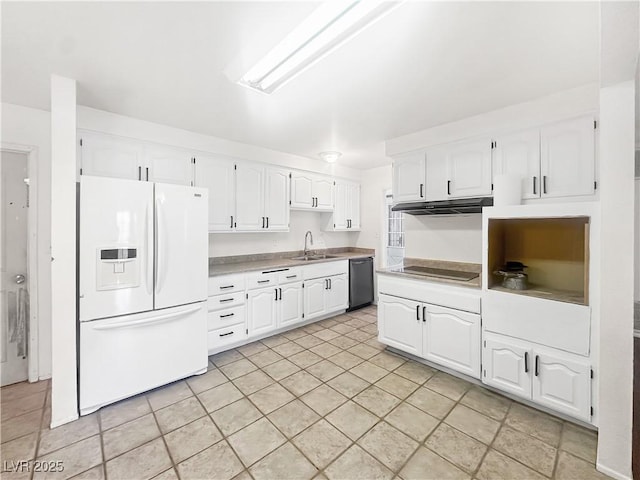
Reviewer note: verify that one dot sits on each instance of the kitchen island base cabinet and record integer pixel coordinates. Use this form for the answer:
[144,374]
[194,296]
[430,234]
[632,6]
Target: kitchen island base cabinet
[452,339]
[551,378]
[399,324]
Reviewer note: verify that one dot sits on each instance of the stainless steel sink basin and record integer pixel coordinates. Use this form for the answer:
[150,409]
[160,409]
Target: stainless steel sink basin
[309,258]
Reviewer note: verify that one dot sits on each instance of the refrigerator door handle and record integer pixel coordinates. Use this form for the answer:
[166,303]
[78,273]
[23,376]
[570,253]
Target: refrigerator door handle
[148,240]
[161,240]
[148,321]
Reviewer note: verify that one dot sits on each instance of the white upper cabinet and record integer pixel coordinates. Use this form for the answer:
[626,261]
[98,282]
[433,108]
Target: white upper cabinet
[276,199]
[346,207]
[567,158]
[218,175]
[168,165]
[409,177]
[469,169]
[107,156]
[436,175]
[249,197]
[311,192]
[519,154]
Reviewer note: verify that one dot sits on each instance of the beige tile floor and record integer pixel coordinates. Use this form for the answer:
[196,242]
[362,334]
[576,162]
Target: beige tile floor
[322,401]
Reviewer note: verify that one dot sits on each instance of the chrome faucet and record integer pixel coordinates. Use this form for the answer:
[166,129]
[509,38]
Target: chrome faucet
[310,235]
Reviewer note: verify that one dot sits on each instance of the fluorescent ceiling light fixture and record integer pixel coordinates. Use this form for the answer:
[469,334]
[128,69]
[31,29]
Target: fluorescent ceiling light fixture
[331,24]
[330,157]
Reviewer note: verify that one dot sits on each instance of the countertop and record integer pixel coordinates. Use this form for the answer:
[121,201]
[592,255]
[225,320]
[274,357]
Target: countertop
[475,283]
[270,261]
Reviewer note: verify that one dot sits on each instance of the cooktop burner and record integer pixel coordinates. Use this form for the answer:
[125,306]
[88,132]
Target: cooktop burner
[439,273]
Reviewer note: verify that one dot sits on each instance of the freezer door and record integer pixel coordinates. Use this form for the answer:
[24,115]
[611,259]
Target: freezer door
[182,245]
[123,356]
[115,247]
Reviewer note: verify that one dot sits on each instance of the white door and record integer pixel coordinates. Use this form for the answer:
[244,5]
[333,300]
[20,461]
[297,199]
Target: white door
[400,323]
[436,175]
[314,298]
[322,191]
[562,383]
[568,158]
[290,304]
[182,245]
[168,165]
[276,200]
[217,174]
[337,296]
[262,310]
[469,168]
[340,206]
[116,247]
[249,197]
[301,190]
[14,295]
[519,154]
[120,357]
[353,206]
[106,156]
[452,339]
[507,365]
[409,177]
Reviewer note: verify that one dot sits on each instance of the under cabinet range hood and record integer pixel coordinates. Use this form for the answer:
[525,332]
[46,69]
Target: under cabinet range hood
[459,206]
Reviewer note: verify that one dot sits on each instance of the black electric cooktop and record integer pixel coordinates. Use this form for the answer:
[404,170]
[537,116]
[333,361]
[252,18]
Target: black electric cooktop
[439,273]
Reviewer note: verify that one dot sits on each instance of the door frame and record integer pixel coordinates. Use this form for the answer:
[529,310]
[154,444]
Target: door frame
[32,252]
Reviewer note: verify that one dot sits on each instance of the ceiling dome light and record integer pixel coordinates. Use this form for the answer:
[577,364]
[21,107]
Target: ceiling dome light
[330,157]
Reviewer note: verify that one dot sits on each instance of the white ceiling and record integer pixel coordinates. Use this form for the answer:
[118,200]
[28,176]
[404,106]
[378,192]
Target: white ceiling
[424,64]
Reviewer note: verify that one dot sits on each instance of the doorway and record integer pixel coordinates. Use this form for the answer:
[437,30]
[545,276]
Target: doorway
[394,234]
[14,245]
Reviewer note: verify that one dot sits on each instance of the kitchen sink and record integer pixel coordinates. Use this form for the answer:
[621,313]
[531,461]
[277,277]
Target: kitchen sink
[309,258]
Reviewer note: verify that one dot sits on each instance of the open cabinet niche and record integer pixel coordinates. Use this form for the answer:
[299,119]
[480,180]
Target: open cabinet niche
[555,250]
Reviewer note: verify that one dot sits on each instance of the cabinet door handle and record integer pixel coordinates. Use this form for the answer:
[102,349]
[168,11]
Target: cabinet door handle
[526,362]
[231,221]
[544,184]
[537,372]
[227,315]
[330,285]
[225,334]
[292,276]
[424,314]
[276,290]
[280,290]
[139,173]
[267,222]
[448,187]
[534,185]
[418,312]
[264,281]
[225,300]
[147,169]
[421,190]
[226,286]
[262,222]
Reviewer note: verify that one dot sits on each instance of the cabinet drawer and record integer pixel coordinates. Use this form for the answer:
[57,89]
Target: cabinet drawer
[225,336]
[226,284]
[290,276]
[227,300]
[223,318]
[261,280]
[325,269]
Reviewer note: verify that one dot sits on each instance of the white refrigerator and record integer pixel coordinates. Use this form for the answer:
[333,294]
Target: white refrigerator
[142,287]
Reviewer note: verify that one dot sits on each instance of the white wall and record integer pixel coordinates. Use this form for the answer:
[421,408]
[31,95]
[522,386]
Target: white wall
[32,128]
[374,184]
[225,244]
[64,395]
[459,238]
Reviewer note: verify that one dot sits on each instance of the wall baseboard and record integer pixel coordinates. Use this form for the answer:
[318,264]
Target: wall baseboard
[612,473]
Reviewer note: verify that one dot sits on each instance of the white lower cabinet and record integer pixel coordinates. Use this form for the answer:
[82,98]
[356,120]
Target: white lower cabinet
[325,295]
[262,310]
[452,338]
[226,312]
[442,335]
[290,304]
[399,324]
[552,378]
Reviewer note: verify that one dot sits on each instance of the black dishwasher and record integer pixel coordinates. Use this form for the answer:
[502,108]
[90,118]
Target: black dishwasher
[360,282]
